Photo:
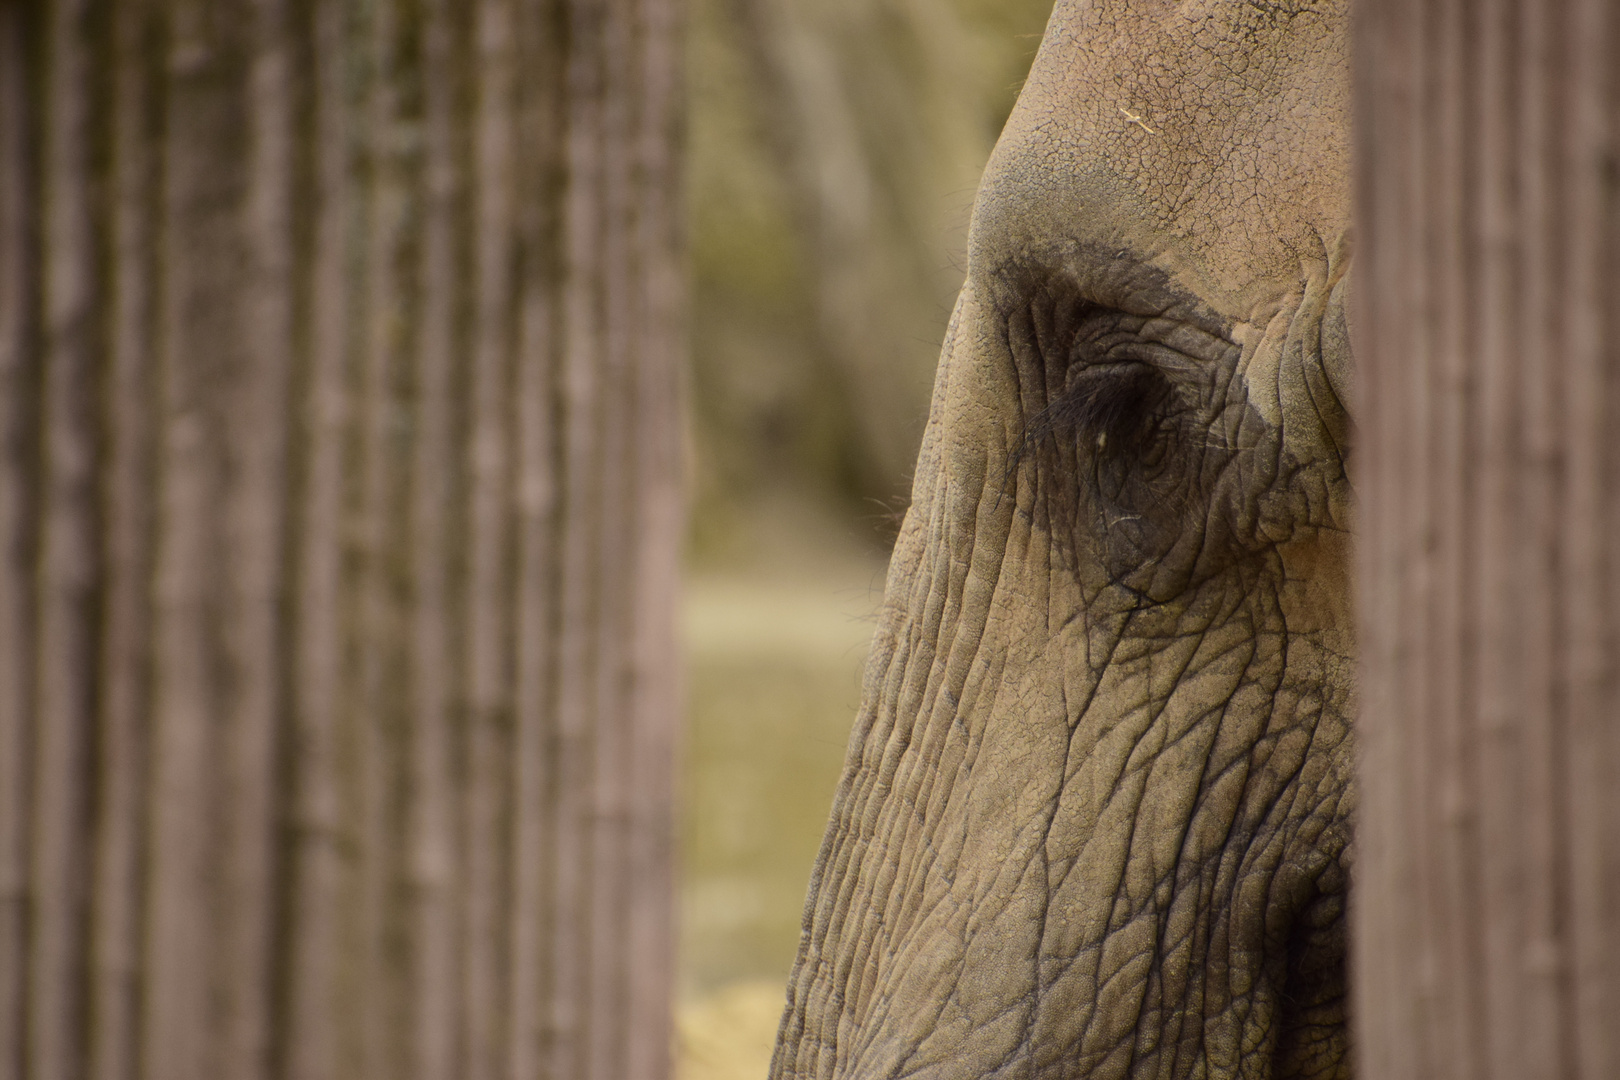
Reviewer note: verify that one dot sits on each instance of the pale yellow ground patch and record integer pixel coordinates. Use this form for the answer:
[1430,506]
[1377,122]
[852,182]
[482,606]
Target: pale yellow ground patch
[773,684]
[729,1034]
[773,668]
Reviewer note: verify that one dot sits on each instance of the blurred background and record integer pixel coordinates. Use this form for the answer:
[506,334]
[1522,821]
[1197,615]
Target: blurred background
[834,150]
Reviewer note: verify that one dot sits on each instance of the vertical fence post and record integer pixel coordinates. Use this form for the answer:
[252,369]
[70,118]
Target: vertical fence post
[340,504]
[1487,897]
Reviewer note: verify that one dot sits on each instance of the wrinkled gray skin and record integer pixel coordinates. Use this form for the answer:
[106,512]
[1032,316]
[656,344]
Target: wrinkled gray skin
[1096,818]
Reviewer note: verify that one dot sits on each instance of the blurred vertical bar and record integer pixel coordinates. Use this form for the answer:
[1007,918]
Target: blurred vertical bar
[339,518]
[541,47]
[657,506]
[387,140]
[578,597]
[65,572]
[1488,891]
[254,400]
[432,880]
[616,546]
[314,1014]
[19,372]
[123,706]
[69,272]
[202,351]
[488,640]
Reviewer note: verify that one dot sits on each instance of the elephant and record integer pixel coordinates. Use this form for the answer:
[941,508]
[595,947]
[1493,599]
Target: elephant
[1096,815]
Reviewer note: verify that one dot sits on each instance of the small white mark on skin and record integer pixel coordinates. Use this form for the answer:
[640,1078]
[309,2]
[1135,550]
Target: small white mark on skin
[1137,120]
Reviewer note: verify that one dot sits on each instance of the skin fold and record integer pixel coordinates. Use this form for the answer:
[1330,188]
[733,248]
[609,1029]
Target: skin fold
[1096,818]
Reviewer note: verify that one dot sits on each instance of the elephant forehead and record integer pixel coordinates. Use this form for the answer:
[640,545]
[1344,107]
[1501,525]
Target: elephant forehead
[1211,136]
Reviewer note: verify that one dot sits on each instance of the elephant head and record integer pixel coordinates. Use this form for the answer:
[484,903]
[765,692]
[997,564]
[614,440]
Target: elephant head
[1096,817]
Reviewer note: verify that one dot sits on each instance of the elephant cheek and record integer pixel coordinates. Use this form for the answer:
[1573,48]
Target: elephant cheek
[955,990]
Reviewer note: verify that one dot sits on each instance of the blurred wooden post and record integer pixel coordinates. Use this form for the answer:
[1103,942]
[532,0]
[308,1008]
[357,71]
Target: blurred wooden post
[1488,462]
[339,511]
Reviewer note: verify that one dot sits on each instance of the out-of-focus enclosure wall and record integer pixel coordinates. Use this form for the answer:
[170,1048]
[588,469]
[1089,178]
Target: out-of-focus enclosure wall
[835,147]
[339,523]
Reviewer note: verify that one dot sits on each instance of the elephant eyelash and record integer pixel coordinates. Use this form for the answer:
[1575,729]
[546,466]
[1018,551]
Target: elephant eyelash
[1111,429]
[1115,402]
[1114,410]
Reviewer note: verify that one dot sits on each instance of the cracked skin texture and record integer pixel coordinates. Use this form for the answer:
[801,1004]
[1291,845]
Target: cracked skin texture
[1095,820]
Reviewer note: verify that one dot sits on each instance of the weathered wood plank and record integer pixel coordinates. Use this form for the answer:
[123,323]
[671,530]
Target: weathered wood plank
[1489,876]
[339,511]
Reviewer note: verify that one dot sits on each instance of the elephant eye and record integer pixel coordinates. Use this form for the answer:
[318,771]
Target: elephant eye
[1108,399]
[1119,424]
[1112,410]
[1136,451]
